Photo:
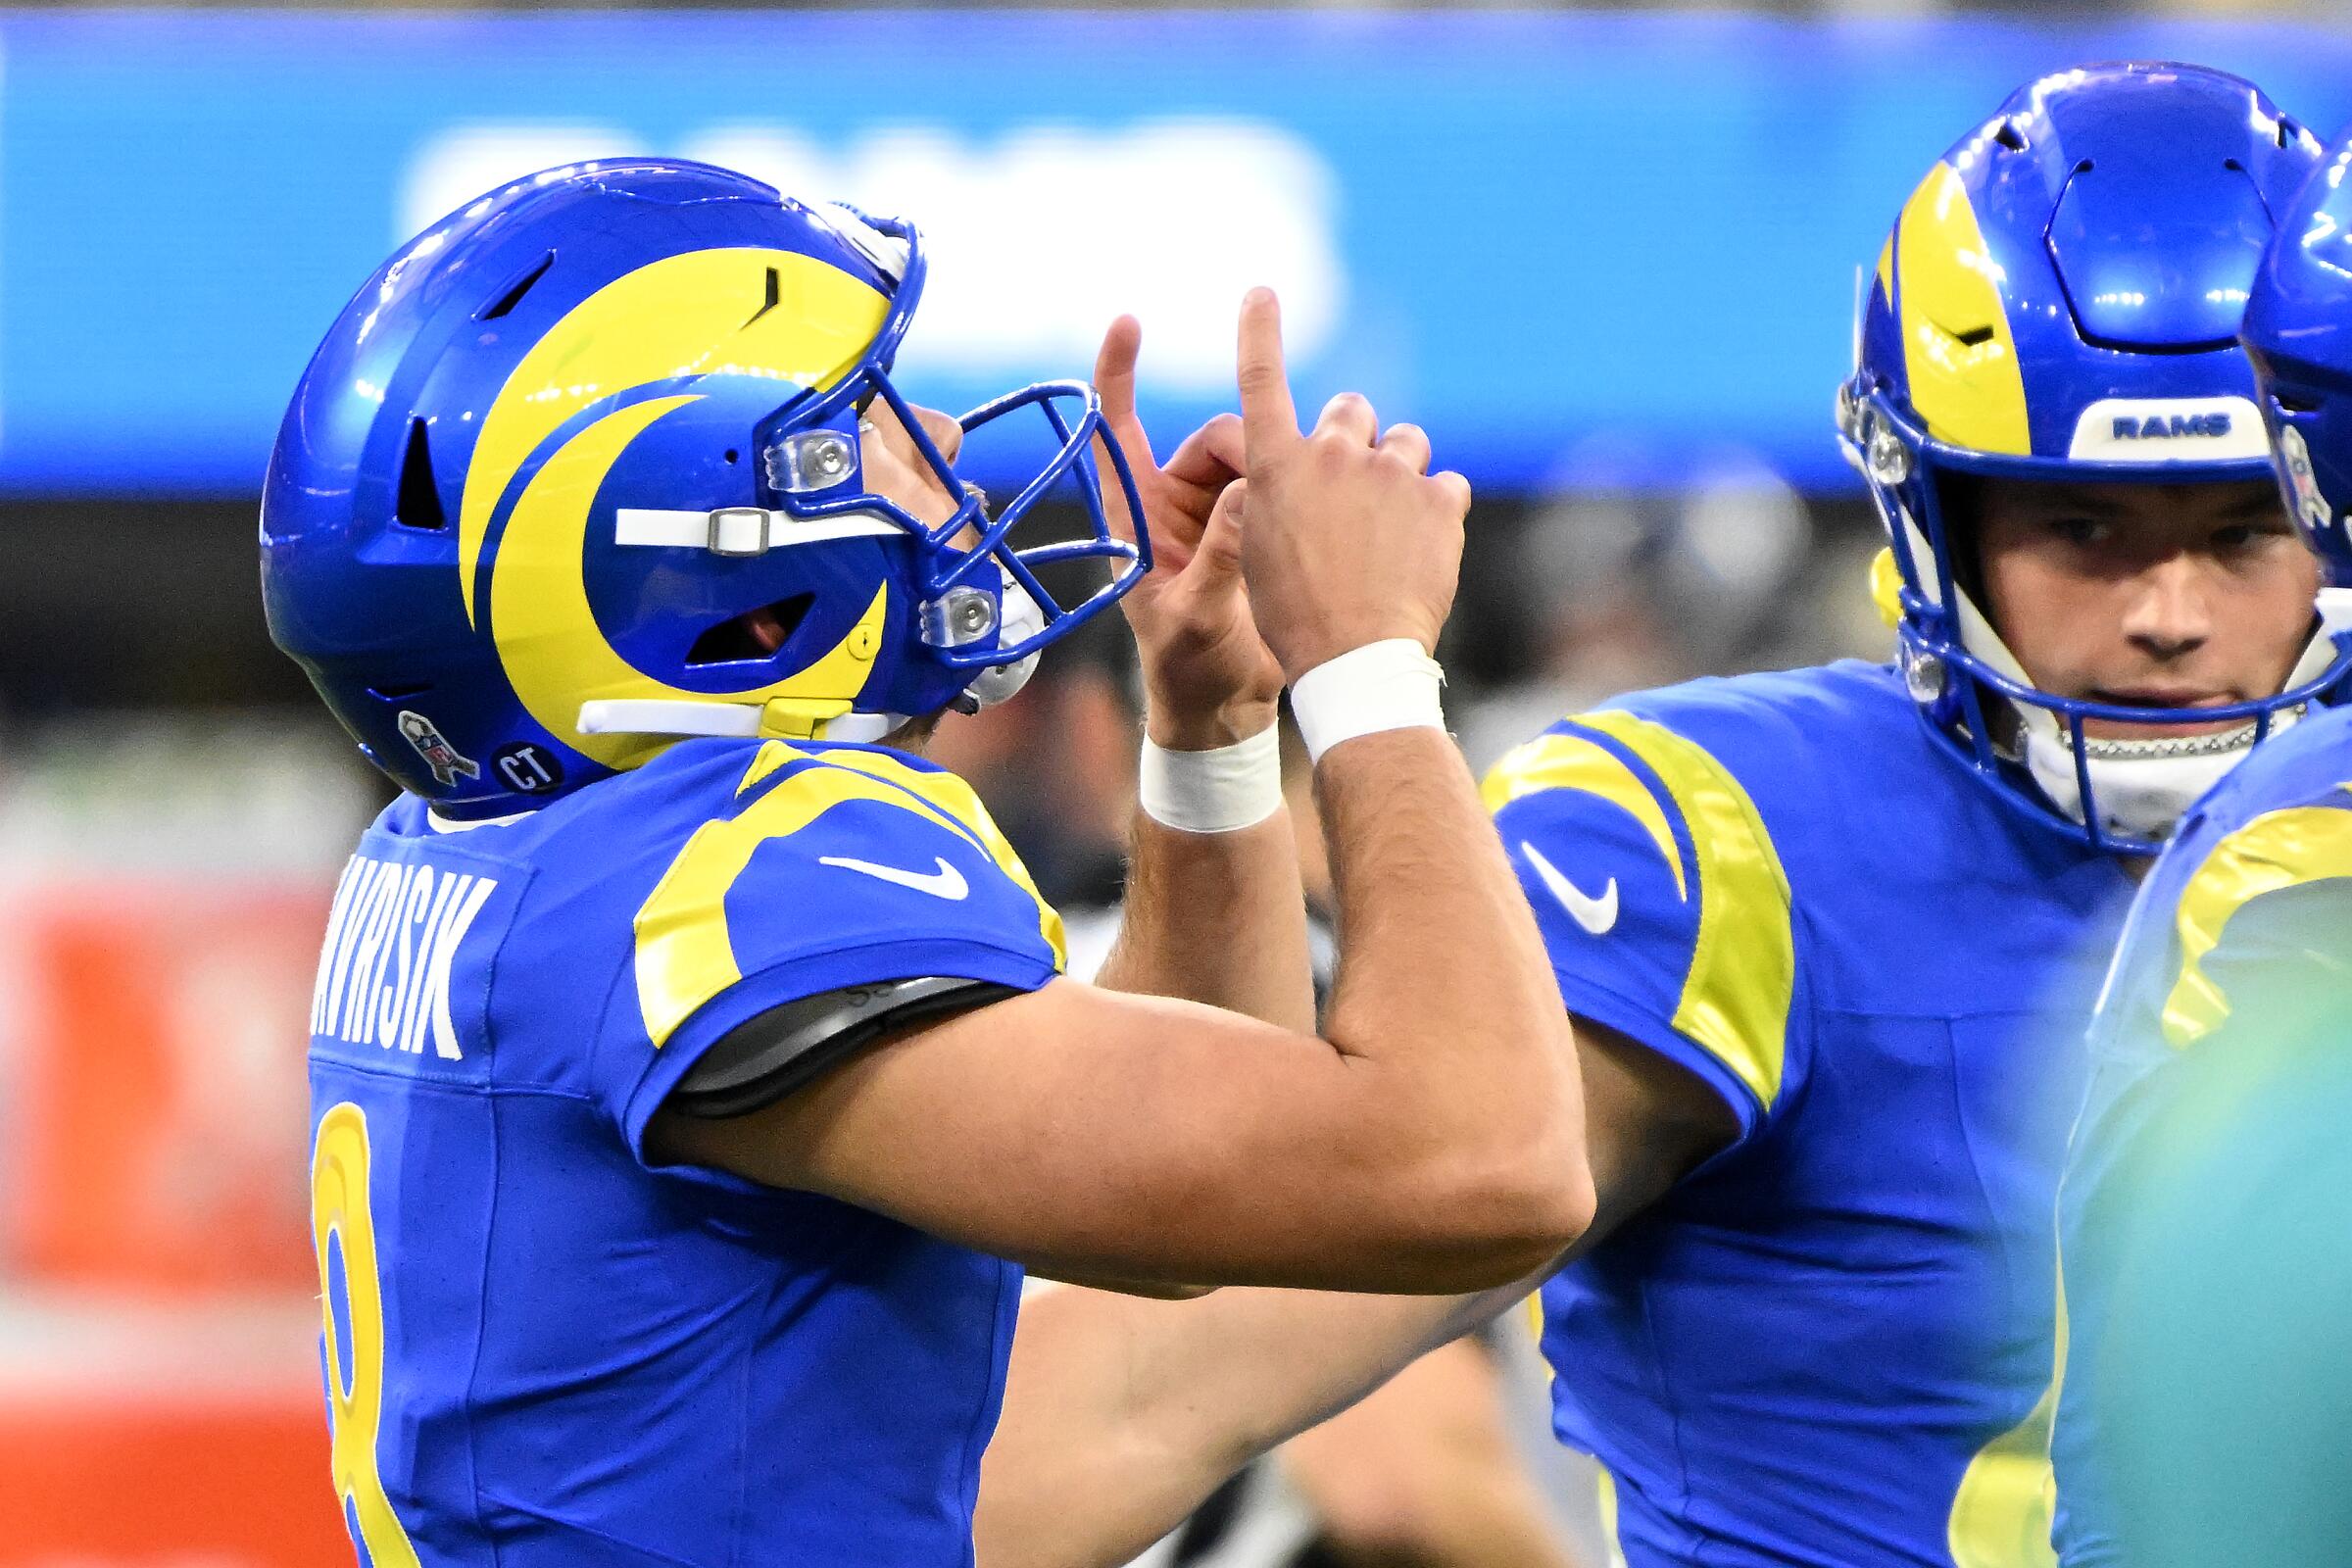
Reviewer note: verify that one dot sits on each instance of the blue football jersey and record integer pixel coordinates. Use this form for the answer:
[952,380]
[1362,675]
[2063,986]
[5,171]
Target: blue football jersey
[541,1350]
[1831,1343]
[2207,1265]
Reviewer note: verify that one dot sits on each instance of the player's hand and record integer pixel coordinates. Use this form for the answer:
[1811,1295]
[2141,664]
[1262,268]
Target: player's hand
[1350,540]
[1208,678]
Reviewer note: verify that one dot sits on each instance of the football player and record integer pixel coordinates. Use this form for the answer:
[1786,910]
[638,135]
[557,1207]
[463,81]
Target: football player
[1829,935]
[688,1056]
[2207,1273]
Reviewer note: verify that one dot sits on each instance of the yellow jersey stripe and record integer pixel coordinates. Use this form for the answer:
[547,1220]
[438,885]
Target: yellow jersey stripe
[773,756]
[2276,850]
[2001,1511]
[959,802]
[1742,976]
[1575,763]
[1606,1485]
[684,955]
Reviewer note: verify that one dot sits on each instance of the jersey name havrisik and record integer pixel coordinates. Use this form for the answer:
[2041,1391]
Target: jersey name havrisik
[543,1348]
[1831,1343]
[391,935]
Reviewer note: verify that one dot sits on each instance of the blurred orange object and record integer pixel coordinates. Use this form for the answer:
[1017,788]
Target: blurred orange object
[170,1433]
[162,1098]
[178,1482]
[160,1405]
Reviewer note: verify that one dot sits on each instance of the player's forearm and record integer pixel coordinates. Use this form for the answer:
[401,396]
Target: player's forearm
[1122,1415]
[1423,1472]
[1444,982]
[1216,917]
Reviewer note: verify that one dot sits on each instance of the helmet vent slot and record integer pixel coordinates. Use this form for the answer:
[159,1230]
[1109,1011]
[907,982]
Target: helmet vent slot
[398,691]
[418,501]
[1974,338]
[2289,132]
[754,634]
[775,295]
[2010,136]
[2295,402]
[512,295]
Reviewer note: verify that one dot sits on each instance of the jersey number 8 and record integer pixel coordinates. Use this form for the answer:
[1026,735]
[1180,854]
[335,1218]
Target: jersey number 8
[344,1232]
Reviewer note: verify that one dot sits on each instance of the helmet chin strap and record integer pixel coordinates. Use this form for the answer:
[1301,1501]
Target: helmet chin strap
[2143,787]
[781,719]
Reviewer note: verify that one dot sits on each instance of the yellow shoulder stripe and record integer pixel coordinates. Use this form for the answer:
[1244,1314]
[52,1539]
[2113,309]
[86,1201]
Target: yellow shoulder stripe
[1574,763]
[1743,967]
[685,955]
[1736,996]
[764,761]
[2277,849]
[955,798]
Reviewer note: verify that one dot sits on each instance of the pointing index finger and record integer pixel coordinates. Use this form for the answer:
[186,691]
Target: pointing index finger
[1268,419]
[1115,369]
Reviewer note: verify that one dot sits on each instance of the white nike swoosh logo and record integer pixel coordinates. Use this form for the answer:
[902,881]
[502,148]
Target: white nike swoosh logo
[945,883]
[1596,915]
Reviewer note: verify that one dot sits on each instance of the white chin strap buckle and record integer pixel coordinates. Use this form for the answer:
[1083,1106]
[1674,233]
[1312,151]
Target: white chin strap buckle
[718,716]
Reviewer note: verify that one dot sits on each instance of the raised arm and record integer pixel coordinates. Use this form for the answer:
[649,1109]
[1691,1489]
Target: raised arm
[1214,912]
[1123,1416]
[1431,1140]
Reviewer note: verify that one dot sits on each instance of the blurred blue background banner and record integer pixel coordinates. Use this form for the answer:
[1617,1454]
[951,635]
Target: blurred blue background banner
[1553,239]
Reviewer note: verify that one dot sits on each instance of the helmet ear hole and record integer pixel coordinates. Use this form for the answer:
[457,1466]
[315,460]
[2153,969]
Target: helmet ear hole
[754,634]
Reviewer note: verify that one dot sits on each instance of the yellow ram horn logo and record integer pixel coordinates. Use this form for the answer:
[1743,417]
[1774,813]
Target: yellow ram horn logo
[691,315]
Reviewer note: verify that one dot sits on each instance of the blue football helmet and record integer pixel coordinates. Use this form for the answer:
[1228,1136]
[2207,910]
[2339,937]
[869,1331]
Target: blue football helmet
[553,452]
[2298,331]
[2060,300]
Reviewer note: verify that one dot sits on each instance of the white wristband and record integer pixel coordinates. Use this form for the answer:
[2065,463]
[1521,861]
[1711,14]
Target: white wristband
[1385,685]
[1219,790]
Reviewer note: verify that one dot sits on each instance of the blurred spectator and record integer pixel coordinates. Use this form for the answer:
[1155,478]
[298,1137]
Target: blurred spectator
[1642,570]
